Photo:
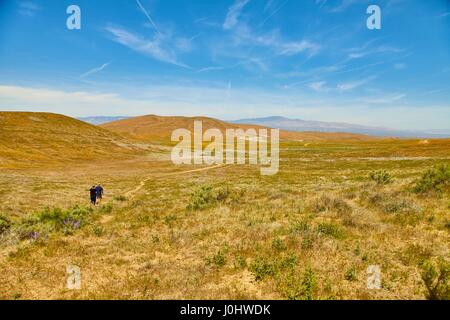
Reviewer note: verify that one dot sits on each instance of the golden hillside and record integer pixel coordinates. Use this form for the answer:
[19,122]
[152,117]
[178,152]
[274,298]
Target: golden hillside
[35,138]
[154,127]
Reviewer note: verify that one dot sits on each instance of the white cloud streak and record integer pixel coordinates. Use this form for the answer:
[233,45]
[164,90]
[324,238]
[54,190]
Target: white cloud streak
[145,12]
[346,86]
[94,70]
[154,48]
[233,14]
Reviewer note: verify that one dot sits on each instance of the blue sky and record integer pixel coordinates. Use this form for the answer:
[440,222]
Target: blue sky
[230,59]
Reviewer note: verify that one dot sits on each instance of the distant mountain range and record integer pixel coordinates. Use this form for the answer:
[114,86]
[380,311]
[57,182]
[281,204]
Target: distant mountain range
[101,119]
[298,125]
[320,126]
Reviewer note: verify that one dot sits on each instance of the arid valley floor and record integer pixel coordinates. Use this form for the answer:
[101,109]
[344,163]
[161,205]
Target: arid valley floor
[337,206]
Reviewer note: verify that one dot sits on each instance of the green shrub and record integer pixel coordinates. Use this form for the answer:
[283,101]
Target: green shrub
[201,198]
[381,177]
[436,179]
[301,288]
[98,231]
[218,259]
[299,227]
[436,277]
[278,244]
[53,220]
[350,274]
[262,268]
[330,229]
[5,223]
[206,196]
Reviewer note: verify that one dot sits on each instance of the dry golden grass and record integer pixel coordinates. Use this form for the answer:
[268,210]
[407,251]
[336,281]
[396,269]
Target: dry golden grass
[309,232]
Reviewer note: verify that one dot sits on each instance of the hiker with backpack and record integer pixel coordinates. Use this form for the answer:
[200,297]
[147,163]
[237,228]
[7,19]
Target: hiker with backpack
[93,195]
[99,193]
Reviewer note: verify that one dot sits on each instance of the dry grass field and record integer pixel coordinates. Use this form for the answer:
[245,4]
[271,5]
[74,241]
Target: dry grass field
[339,204]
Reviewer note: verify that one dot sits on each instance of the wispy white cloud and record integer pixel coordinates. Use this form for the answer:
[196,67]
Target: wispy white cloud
[155,48]
[95,70]
[28,8]
[382,49]
[346,86]
[388,99]
[293,48]
[233,13]
[145,12]
[274,12]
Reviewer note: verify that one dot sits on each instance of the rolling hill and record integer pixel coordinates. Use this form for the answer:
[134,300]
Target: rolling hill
[160,128]
[43,138]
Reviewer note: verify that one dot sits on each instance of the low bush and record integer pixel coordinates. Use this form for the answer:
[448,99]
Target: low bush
[436,179]
[5,223]
[351,274]
[266,267]
[218,259]
[436,277]
[331,230]
[278,244]
[302,287]
[52,220]
[207,196]
[381,177]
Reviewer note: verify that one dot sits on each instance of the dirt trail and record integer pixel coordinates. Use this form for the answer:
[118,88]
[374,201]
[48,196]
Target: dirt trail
[142,182]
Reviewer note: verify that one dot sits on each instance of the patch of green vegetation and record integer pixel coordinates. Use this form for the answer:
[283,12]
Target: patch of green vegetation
[436,277]
[436,179]
[49,220]
[5,223]
[351,274]
[218,259]
[263,268]
[299,227]
[207,196]
[330,229]
[278,244]
[381,177]
[301,288]
[266,267]
[98,231]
